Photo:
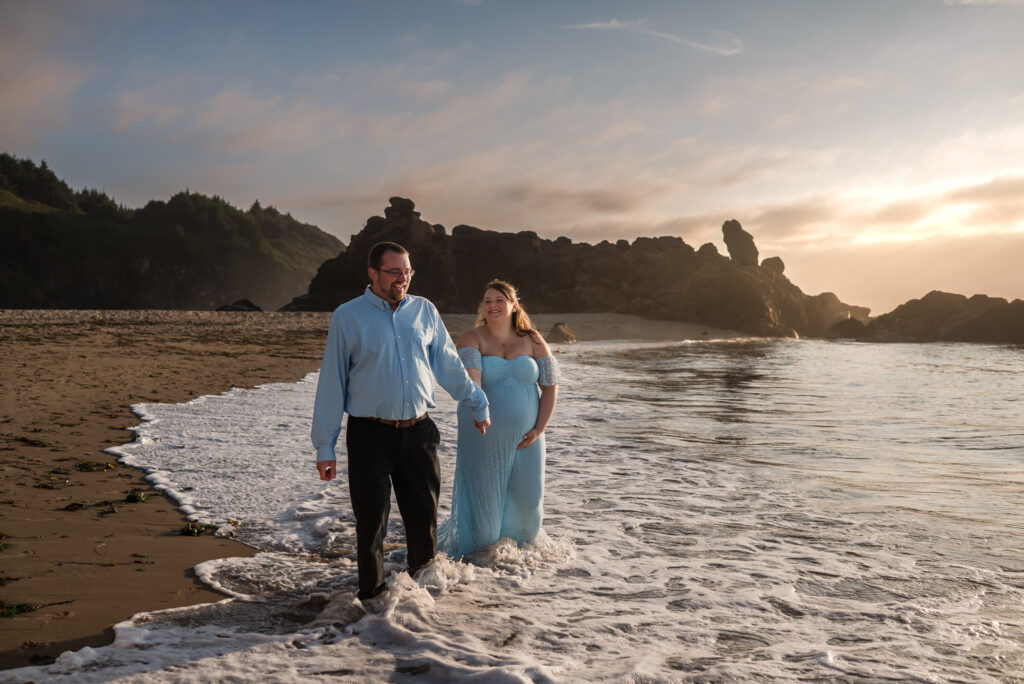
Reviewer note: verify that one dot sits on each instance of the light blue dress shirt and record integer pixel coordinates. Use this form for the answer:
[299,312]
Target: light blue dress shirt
[381,363]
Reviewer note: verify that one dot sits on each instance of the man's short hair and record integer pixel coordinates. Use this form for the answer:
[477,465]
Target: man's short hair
[378,251]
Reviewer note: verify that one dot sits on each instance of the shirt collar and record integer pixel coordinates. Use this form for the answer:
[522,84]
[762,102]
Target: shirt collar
[381,303]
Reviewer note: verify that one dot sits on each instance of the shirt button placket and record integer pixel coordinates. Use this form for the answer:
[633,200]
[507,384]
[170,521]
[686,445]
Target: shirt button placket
[403,363]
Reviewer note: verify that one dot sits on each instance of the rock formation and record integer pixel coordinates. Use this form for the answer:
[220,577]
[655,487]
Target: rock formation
[561,334]
[851,328]
[240,305]
[826,311]
[659,277]
[945,317]
[773,266]
[740,243]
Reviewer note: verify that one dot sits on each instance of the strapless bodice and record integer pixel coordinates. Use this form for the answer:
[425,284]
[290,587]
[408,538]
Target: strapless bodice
[521,370]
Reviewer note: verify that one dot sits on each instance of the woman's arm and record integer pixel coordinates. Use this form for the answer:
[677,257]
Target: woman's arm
[548,397]
[470,339]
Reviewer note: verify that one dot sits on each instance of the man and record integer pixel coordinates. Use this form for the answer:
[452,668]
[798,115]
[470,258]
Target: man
[382,349]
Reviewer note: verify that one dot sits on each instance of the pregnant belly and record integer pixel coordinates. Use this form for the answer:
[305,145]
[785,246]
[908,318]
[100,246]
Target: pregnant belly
[513,407]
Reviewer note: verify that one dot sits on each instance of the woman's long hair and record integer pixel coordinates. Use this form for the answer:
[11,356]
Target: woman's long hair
[521,323]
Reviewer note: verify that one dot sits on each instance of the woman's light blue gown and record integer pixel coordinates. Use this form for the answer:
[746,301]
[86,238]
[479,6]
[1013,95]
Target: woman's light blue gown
[498,490]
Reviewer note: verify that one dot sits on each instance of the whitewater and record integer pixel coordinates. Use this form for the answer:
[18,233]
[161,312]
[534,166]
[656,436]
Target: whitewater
[732,510]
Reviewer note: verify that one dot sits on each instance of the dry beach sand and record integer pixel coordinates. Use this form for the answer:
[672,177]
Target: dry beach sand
[81,550]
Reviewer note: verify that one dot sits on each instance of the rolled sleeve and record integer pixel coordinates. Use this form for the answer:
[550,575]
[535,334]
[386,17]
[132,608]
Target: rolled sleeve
[451,374]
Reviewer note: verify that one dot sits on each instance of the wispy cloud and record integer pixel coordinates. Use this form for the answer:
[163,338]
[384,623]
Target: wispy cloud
[722,43]
[36,86]
[998,202]
[978,210]
[1019,3]
[233,119]
[884,275]
[35,98]
[552,198]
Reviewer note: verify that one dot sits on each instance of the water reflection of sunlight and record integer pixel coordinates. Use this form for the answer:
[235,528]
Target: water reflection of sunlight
[854,416]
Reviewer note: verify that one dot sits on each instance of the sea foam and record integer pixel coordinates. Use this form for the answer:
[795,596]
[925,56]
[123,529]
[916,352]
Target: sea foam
[714,511]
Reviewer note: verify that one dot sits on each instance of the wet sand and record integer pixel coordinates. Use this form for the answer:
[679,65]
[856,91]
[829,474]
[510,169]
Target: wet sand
[86,543]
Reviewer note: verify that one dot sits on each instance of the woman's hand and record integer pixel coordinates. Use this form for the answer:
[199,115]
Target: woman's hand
[529,438]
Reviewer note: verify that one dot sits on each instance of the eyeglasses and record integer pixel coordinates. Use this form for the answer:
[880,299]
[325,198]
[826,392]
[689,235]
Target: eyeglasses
[395,272]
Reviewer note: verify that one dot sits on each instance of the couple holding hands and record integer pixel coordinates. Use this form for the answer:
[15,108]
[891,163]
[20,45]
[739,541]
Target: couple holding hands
[384,349]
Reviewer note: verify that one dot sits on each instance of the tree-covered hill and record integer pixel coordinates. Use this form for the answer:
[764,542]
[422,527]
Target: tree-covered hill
[61,248]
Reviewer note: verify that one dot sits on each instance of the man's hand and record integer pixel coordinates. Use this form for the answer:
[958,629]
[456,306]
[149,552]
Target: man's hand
[327,469]
[482,425]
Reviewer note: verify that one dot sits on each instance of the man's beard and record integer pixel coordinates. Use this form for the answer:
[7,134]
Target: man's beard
[398,293]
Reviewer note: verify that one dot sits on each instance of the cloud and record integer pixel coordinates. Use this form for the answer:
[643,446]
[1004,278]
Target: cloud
[459,117]
[783,99]
[723,43]
[827,219]
[36,85]
[233,119]
[377,110]
[721,168]
[494,188]
[976,209]
[35,98]
[564,200]
[902,212]
[1018,3]
[615,132]
[161,104]
[885,275]
[998,202]
[999,189]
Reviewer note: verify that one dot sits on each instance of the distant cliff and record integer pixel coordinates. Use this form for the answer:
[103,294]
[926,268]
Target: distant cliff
[943,317]
[65,249]
[654,277]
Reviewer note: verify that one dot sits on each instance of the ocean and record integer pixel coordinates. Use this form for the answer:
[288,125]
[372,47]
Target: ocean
[715,511]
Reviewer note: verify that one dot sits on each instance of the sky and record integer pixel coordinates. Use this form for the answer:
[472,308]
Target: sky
[876,146]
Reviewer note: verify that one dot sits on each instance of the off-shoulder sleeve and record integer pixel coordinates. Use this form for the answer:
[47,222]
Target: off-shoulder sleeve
[470,358]
[550,373]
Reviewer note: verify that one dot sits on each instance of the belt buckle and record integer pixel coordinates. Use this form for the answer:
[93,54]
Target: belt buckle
[401,422]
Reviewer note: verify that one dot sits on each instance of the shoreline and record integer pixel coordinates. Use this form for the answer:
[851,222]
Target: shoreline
[73,545]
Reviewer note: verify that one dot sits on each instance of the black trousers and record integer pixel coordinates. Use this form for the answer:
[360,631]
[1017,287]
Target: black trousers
[378,456]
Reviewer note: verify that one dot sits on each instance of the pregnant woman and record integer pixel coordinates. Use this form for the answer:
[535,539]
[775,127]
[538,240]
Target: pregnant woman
[499,476]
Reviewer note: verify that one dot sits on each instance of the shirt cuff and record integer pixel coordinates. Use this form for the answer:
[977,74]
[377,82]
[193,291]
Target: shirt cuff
[325,453]
[482,415]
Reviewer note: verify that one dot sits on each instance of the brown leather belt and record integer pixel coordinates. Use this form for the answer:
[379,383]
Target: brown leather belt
[408,422]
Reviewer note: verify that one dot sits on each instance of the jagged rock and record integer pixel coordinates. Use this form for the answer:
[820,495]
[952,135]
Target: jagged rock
[661,277]
[561,334]
[240,305]
[848,328]
[401,208]
[942,316]
[740,243]
[773,266]
[1003,324]
[825,310]
[344,277]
